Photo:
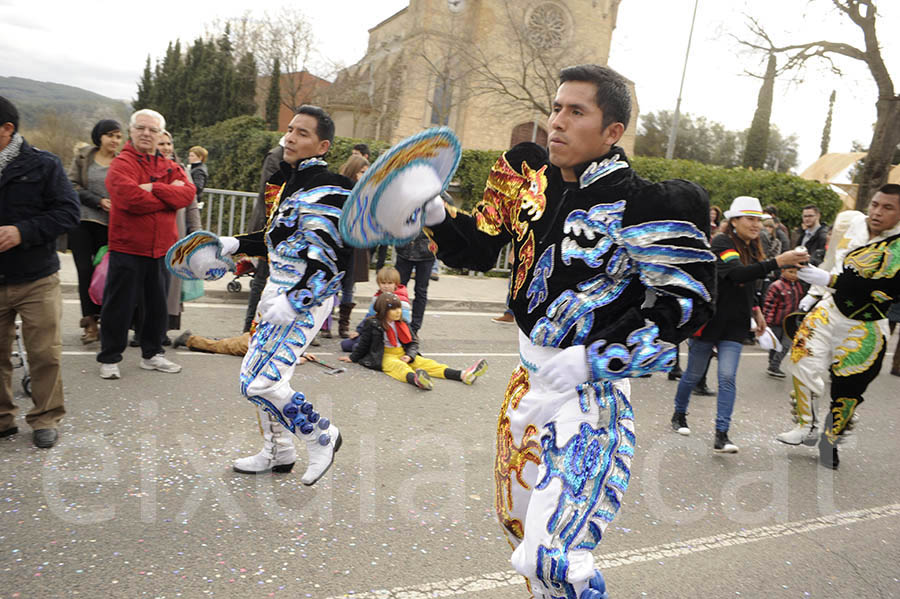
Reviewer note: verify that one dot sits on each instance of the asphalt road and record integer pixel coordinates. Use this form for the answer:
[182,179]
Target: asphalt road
[138,499]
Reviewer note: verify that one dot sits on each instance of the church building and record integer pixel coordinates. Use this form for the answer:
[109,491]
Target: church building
[486,68]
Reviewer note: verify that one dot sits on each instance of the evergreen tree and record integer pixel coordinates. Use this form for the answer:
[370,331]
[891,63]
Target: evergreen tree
[245,86]
[145,88]
[273,103]
[758,135]
[826,132]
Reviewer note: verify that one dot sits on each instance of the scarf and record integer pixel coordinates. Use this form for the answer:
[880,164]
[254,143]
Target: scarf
[9,153]
[402,329]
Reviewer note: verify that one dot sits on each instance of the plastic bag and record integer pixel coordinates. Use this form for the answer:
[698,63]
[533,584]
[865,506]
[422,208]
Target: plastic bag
[98,280]
[191,290]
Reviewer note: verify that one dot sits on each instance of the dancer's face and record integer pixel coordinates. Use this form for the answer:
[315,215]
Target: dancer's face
[301,141]
[883,213]
[577,134]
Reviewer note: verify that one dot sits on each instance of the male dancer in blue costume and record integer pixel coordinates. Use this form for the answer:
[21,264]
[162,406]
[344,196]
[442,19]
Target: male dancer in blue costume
[306,261]
[610,273]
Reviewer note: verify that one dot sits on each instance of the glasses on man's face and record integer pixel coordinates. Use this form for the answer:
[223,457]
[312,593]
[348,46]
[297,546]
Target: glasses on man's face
[142,128]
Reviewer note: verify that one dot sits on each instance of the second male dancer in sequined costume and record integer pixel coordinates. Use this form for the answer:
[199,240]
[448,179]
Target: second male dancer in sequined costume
[306,261]
[610,273]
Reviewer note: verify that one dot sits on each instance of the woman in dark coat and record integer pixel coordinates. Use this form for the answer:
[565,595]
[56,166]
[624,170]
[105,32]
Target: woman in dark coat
[740,262]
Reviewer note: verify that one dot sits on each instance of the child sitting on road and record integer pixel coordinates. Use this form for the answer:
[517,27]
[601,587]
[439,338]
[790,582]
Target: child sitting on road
[388,280]
[387,344]
[782,297]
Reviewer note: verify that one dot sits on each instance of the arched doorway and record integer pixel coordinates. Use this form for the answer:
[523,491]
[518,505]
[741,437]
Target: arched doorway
[526,131]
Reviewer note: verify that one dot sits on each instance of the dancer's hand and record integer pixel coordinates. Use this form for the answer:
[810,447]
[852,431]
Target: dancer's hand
[567,369]
[278,311]
[814,276]
[229,245]
[345,359]
[405,358]
[435,213]
[808,302]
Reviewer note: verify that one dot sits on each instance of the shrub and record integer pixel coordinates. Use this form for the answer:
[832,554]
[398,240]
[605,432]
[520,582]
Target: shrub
[789,193]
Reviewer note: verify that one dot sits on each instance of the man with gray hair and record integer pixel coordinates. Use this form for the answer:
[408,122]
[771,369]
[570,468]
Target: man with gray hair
[145,189]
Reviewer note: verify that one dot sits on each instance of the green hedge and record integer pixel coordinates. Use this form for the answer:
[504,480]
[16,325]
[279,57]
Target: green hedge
[789,193]
[237,147]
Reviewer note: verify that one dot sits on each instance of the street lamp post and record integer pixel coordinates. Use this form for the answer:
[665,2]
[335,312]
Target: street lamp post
[673,133]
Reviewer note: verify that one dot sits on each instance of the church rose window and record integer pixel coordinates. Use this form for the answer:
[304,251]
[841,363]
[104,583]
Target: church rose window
[547,25]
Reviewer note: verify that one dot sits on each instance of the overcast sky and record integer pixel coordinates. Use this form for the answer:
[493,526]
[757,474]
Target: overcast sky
[102,45]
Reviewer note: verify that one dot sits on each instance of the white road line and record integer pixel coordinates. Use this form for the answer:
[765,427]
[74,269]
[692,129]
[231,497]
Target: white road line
[494,580]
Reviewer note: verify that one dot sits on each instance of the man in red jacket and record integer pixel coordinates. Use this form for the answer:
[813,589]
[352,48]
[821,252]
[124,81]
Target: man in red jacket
[145,189]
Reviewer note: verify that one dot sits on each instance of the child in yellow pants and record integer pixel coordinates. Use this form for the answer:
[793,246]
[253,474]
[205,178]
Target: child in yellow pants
[387,344]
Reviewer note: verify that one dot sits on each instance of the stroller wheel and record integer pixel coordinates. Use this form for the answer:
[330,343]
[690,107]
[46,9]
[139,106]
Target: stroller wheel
[26,384]
[234,286]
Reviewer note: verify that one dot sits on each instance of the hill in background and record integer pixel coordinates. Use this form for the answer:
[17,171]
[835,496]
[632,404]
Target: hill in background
[55,117]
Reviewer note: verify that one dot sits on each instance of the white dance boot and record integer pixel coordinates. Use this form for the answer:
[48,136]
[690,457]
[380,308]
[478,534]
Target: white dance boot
[805,408]
[321,444]
[278,453]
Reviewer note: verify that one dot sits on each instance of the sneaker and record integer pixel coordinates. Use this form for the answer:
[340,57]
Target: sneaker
[775,372]
[160,363]
[505,318]
[723,443]
[474,371]
[679,423]
[109,371]
[422,380]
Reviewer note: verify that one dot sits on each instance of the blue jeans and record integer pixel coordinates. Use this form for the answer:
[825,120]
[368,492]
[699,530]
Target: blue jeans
[698,358]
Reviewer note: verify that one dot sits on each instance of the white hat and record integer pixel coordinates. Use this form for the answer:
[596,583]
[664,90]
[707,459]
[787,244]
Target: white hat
[745,206]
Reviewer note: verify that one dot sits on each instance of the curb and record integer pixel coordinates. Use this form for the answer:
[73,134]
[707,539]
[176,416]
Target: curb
[448,304]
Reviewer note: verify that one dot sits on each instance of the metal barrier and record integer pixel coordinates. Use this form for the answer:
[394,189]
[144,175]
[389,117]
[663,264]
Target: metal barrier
[227,212]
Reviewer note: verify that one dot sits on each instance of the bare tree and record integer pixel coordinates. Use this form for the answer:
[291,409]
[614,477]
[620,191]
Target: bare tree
[286,35]
[523,74]
[886,133]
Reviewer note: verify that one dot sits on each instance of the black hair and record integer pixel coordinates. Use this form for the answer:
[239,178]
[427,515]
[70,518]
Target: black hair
[891,189]
[362,149]
[324,124]
[811,207]
[102,128]
[9,114]
[771,209]
[613,96]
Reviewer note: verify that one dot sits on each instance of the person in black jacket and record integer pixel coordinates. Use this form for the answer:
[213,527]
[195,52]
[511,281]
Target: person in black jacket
[740,262]
[387,344]
[812,235]
[37,205]
[417,256]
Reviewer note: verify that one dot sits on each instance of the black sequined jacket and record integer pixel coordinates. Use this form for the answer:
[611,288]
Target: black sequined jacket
[596,260]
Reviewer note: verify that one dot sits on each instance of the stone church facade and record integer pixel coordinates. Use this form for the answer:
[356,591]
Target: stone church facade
[443,62]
